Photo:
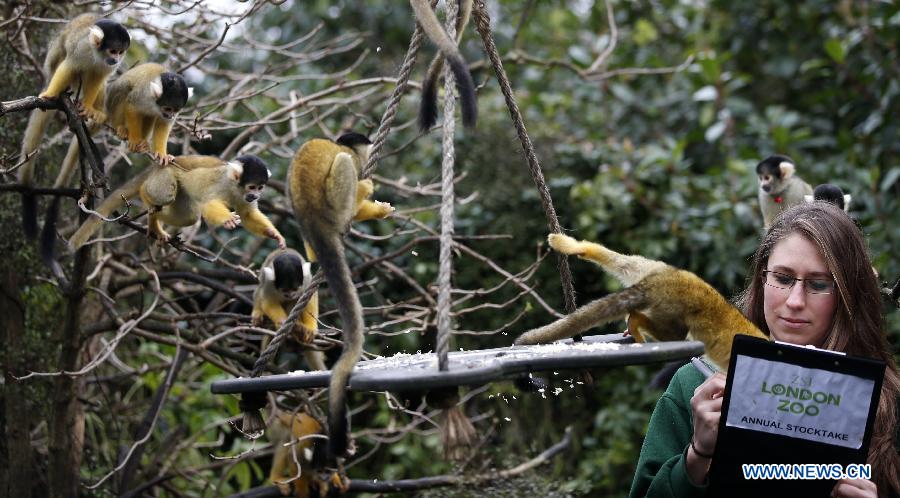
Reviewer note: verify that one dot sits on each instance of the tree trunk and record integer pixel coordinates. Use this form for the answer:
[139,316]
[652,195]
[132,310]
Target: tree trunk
[16,481]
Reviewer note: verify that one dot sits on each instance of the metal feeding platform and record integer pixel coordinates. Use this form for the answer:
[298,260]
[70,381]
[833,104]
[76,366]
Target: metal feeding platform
[419,371]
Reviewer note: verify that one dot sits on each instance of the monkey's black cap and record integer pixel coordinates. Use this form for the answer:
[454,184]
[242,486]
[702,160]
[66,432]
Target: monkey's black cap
[353,139]
[288,271]
[770,164]
[175,90]
[115,36]
[830,193]
[255,170]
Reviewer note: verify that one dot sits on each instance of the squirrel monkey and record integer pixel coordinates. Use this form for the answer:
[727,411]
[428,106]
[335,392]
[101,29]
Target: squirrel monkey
[282,278]
[297,457]
[779,187]
[179,194]
[142,104]
[84,54]
[830,192]
[193,187]
[326,195]
[464,84]
[661,301]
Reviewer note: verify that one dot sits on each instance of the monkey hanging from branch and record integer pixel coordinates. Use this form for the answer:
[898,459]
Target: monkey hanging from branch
[660,301]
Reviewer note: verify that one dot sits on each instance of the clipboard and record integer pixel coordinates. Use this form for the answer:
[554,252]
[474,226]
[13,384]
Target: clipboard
[787,404]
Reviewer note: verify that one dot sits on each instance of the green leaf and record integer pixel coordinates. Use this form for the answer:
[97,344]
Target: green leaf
[644,32]
[890,178]
[835,50]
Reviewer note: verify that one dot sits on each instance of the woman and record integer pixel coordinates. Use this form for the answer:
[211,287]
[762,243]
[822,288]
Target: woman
[810,282]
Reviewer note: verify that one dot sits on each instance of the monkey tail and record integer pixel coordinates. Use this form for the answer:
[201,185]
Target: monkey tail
[107,207]
[34,132]
[428,107]
[603,310]
[329,249]
[464,83]
[48,234]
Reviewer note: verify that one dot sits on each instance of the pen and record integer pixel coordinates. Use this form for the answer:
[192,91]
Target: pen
[702,366]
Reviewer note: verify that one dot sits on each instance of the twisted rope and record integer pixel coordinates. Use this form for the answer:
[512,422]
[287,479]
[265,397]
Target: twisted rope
[445,260]
[288,325]
[483,25]
[388,118]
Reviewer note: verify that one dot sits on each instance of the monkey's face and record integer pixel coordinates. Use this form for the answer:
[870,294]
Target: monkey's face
[252,192]
[768,181]
[289,293]
[113,56]
[111,40]
[171,93]
[168,112]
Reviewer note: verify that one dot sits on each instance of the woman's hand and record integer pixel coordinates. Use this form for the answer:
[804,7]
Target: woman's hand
[855,488]
[706,407]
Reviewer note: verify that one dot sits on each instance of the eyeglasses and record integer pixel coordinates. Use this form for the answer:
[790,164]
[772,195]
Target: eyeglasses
[812,285]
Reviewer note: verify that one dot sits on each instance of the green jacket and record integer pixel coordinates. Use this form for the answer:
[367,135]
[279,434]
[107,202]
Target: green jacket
[660,470]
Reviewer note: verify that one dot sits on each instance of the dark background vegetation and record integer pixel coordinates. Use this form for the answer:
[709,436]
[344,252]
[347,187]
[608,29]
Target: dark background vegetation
[655,164]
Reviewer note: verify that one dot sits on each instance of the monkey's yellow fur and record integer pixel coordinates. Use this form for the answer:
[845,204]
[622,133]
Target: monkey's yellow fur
[326,194]
[294,437]
[132,113]
[661,301]
[271,303]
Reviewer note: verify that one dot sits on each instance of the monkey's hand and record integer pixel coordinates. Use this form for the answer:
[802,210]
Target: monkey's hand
[88,113]
[365,188]
[256,320]
[303,335]
[140,146]
[163,159]
[162,237]
[566,245]
[340,482]
[122,132]
[385,208]
[274,235]
[370,210]
[232,222]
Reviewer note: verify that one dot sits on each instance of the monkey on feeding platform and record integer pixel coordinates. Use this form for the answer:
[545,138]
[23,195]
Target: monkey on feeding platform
[282,278]
[660,301]
[779,186]
[83,55]
[326,195]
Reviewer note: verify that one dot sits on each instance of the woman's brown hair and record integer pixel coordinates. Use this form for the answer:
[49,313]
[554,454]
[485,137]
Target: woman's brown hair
[858,326]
